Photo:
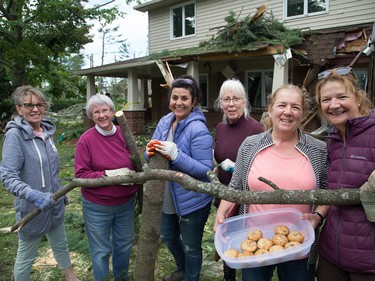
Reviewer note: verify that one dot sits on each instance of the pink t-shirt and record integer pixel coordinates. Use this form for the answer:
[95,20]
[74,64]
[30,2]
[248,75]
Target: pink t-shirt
[286,173]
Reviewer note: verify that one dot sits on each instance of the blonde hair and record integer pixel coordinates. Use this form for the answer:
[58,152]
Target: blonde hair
[28,91]
[292,88]
[350,83]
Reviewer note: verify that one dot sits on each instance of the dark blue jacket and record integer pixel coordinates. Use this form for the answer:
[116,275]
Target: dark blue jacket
[194,143]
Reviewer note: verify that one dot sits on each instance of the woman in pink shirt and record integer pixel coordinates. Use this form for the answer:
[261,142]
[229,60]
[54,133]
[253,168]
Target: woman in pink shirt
[289,158]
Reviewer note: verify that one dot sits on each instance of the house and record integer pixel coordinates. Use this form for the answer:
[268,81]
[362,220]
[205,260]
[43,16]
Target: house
[337,31]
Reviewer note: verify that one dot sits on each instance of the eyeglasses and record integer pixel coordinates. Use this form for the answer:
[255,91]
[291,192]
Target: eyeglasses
[30,106]
[340,71]
[104,112]
[227,101]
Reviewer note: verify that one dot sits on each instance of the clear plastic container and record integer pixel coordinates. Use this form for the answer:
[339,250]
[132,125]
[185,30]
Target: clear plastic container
[234,231]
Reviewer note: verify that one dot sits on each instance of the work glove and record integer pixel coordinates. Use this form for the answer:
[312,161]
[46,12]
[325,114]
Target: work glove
[168,149]
[227,165]
[117,172]
[150,147]
[43,200]
[367,196]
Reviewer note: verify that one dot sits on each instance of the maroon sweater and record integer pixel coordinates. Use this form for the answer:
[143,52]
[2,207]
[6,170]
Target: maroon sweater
[96,153]
[228,138]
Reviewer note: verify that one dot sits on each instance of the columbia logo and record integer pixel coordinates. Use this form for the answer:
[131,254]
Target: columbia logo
[358,157]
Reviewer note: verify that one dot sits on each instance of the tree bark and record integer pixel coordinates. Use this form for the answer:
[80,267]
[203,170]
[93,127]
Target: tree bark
[278,196]
[149,230]
[130,141]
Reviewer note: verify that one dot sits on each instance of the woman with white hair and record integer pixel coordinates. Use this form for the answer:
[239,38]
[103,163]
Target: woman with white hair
[108,210]
[237,124]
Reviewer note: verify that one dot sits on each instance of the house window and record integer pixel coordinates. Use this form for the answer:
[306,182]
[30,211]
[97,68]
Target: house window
[183,20]
[203,84]
[295,8]
[362,76]
[259,86]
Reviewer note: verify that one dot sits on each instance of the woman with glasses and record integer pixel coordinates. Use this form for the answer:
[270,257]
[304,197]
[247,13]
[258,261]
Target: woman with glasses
[347,242]
[108,211]
[183,138]
[30,171]
[290,159]
[238,124]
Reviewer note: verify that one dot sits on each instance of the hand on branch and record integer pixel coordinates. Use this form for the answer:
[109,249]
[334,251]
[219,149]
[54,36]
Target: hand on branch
[117,172]
[150,147]
[43,200]
[227,165]
[168,149]
[367,196]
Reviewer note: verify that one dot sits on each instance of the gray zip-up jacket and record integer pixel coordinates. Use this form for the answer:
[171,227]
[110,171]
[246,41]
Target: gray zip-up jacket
[29,162]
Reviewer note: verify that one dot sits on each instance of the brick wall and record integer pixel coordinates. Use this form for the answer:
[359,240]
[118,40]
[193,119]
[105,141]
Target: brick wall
[136,121]
[87,122]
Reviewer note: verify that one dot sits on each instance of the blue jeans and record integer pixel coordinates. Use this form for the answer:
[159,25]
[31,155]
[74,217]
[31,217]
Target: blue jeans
[296,270]
[101,222]
[183,237]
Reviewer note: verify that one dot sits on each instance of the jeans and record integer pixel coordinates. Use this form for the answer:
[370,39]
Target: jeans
[183,237]
[28,250]
[295,270]
[101,222]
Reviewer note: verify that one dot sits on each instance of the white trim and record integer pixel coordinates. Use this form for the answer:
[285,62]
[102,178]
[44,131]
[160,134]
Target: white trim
[305,12]
[183,5]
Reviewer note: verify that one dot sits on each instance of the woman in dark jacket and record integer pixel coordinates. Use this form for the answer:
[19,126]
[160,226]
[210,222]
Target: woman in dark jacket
[347,243]
[238,124]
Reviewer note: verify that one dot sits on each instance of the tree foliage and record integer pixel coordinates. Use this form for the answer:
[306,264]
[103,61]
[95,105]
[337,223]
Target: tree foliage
[37,36]
[261,28]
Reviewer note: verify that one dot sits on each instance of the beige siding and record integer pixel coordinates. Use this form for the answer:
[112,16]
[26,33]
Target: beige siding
[210,16]
[341,13]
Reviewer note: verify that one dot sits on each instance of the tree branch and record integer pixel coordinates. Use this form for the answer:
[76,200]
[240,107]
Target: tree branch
[278,196]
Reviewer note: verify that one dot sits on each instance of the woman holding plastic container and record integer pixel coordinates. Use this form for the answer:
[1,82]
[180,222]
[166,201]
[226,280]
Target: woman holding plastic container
[347,242]
[238,124]
[289,158]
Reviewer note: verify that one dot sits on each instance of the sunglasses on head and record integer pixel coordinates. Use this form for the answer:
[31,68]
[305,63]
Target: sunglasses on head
[340,71]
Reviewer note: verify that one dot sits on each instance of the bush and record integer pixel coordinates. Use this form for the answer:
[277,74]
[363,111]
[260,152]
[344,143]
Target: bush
[60,104]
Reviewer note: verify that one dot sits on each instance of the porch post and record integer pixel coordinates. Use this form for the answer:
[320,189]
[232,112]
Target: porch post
[134,110]
[193,70]
[280,75]
[90,91]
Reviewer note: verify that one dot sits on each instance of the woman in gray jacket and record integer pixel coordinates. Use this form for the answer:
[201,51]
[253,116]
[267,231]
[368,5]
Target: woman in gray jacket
[30,171]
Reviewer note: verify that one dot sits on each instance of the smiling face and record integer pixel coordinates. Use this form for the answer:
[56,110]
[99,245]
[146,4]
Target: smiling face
[286,112]
[233,106]
[181,103]
[102,116]
[34,115]
[338,105]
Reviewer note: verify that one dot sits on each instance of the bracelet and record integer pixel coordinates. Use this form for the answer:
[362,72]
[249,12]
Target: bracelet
[320,216]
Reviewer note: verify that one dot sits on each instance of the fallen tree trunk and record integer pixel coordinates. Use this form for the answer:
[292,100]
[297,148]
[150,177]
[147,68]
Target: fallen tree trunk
[130,141]
[278,196]
[149,230]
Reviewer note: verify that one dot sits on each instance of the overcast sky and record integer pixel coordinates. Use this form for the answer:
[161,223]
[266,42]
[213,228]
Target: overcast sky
[133,27]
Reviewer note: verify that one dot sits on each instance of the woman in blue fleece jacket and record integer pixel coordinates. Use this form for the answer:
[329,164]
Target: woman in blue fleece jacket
[186,142]
[30,171]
